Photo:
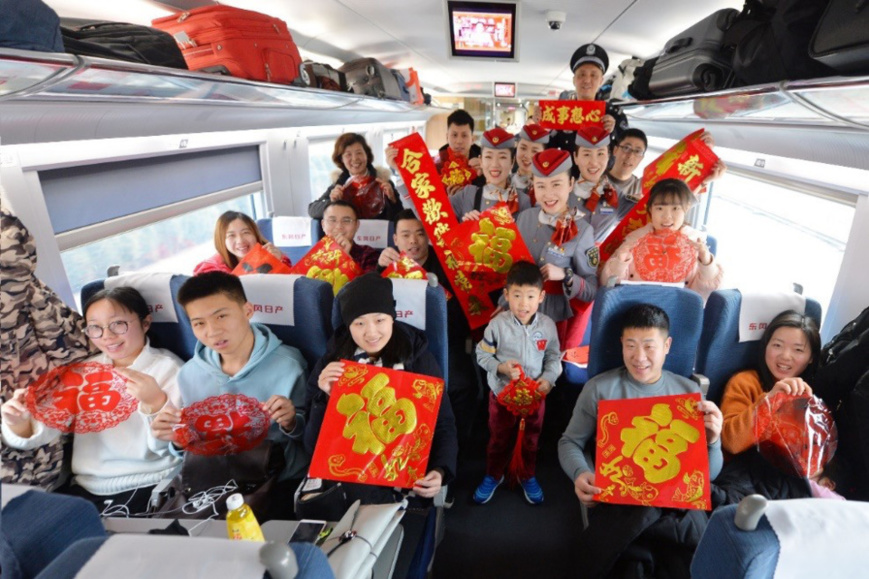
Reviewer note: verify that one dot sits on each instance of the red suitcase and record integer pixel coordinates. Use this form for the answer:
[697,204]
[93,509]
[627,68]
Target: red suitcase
[244,43]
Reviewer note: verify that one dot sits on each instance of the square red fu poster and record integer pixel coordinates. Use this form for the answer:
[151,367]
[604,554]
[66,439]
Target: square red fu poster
[652,452]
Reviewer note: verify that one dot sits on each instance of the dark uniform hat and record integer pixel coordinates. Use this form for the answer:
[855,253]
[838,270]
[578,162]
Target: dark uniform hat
[590,53]
[550,163]
[497,138]
[534,133]
[592,137]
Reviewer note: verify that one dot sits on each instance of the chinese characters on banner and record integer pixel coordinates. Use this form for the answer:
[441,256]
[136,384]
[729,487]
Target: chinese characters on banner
[456,172]
[430,199]
[327,261]
[404,268]
[259,260]
[80,397]
[571,115]
[690,160]
[378,427]
[652,452]
[225,424]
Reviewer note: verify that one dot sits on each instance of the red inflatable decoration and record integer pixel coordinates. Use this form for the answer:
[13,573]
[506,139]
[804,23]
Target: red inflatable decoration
[664,256]
[225,424]
[796,433]
[81,397]
[366,195]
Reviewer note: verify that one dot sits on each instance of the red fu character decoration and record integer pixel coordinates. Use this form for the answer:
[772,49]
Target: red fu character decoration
[522,398]
[225,424]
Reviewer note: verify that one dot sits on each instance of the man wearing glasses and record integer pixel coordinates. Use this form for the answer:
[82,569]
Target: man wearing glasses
[628,152]
[340,222]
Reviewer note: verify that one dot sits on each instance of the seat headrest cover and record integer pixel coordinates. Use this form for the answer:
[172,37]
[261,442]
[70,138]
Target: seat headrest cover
[271,296]
[292,231]
[410,301]
[155,288]
[759,308]
[373,232]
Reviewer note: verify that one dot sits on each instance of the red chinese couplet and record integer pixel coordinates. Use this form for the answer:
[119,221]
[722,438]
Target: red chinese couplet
[80,397]
[327,261]
[690,160]
[430,199]
[404,268]
[664,256]
[225,424]
[486,249]
[571,115]
[456,171]
[259,260]
[652,452]
[378,427]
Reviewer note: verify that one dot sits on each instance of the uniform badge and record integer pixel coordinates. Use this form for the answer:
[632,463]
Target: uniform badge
[593,256]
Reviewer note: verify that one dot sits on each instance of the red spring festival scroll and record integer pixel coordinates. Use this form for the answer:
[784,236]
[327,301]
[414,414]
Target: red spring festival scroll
[690,160]
[571,115]
[378,427]
[652,452]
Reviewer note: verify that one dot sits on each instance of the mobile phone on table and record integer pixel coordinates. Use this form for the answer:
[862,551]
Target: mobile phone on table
[308,531]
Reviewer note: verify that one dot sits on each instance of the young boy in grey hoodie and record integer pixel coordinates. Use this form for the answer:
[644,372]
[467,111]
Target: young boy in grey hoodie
[518,338]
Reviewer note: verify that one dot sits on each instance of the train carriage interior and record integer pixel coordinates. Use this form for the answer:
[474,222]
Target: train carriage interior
[118,167]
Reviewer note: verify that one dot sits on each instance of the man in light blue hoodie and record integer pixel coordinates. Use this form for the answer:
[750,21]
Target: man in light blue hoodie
[235,356]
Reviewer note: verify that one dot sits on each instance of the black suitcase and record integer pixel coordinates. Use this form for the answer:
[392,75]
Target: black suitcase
[841,40]
[639,87]
[368,76]
[29,25]
[325,77]
[122,41]
[695,60]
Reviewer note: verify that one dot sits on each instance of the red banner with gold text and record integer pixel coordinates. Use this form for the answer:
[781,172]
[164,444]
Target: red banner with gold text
[571,115]
[327,261]
[430,199]
[690,160]
[652,452]
[378,427]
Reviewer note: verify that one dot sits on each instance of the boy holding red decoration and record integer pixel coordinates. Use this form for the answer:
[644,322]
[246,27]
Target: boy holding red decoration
[517,343]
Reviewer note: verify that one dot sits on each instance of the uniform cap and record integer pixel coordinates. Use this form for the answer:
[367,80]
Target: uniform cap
[534,133]
[497,138]
[550,162]
[592,137]
[590,53]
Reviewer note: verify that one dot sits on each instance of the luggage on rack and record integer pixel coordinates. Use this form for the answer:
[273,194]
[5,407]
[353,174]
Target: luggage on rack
[639,87]
[771,40]
[696,60]
[122,41]
[402,85]
[29,25]
[325,77]
[841,39]
[623,77]
[242,43]
[368,76]
[412,80]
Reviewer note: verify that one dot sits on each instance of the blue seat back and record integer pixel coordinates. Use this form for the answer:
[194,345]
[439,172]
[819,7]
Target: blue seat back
[309,327]
[175,336]
[684,308]
[713,244]
[376,233]
[294,252]
[720,354]
[435,321]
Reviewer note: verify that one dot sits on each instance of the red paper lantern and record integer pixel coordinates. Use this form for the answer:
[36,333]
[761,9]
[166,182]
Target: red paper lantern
[796,433]
[664,256]
[225,424]
[81,397]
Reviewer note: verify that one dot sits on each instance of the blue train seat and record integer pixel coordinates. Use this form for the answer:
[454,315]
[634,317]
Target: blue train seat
[293,235]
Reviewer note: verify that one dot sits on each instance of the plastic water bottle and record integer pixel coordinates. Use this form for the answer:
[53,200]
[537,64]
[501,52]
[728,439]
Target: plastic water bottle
[241,524]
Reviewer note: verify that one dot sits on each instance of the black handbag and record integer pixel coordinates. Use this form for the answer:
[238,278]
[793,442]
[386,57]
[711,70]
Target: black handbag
[326,502]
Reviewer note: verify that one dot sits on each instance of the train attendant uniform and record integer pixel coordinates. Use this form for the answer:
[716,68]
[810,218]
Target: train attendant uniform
[597,198]
[479,198]
[523,182]
[565,240]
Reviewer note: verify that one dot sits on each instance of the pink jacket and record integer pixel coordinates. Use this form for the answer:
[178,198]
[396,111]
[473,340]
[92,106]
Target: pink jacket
[703,279]
[216,263]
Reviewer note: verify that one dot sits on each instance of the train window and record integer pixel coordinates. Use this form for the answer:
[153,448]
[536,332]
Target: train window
[321,165]
[770,237]
[173,245]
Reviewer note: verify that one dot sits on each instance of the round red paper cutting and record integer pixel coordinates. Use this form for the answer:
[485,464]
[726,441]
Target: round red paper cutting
[664,256]
[366,195]
[81,397]
[224,424]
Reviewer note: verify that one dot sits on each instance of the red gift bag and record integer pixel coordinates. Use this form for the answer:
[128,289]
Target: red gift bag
[366,195]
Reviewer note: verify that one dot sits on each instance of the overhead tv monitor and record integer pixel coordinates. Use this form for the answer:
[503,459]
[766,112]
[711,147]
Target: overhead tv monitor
[505,89]
[481,30]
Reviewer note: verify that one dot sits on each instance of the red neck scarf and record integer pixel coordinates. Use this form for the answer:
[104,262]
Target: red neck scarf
[565,228]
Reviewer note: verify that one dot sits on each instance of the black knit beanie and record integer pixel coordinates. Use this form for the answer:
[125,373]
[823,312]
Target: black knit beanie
[367,294]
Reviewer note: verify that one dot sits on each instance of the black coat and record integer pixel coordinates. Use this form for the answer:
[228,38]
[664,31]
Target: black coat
[444,448]
[749,473]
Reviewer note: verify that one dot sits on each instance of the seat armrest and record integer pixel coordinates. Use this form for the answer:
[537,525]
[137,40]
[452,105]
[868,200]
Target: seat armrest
[701,381]
[158,493]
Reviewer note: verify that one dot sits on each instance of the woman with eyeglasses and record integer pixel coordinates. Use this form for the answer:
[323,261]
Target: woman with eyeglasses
[235,234]
[116,468]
